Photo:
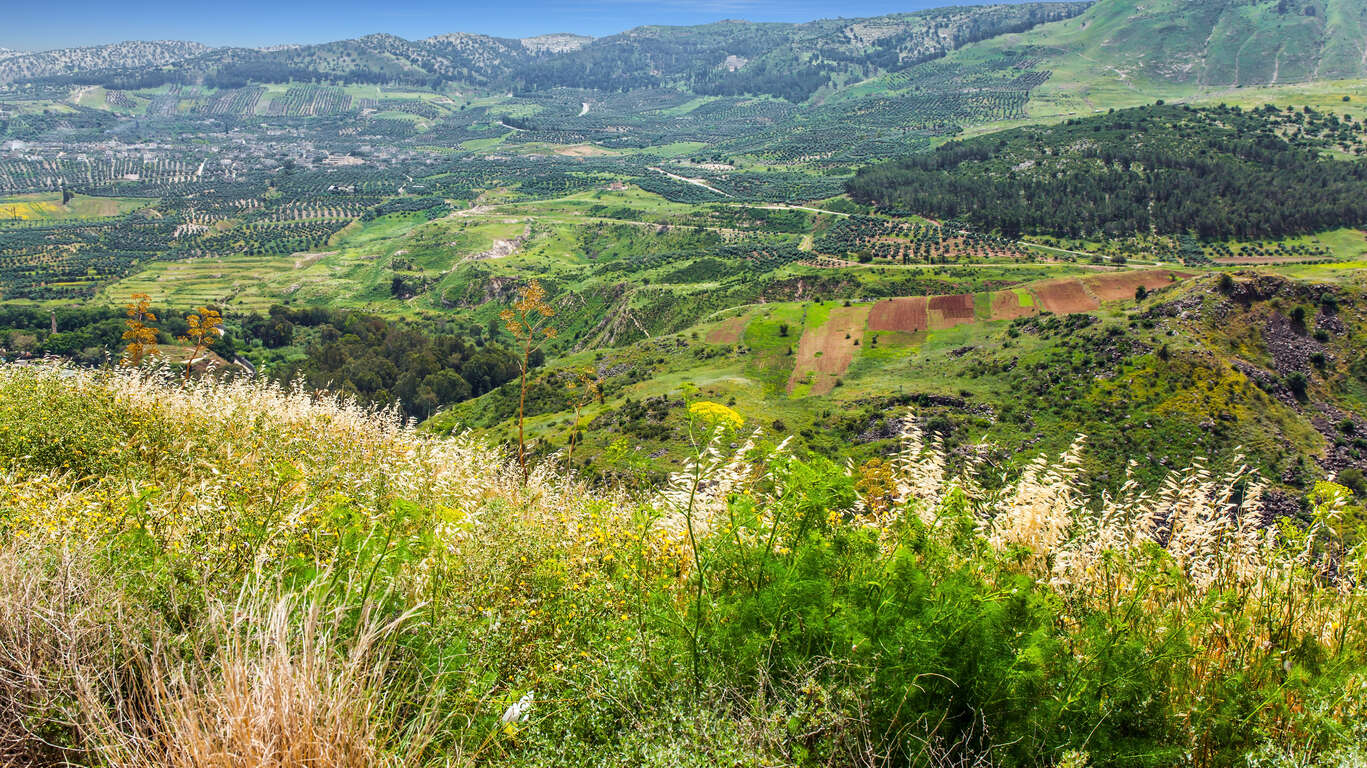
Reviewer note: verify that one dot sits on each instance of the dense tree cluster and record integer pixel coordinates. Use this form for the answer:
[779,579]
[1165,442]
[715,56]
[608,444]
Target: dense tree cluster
[385,362]
[1215,173]
[376,360]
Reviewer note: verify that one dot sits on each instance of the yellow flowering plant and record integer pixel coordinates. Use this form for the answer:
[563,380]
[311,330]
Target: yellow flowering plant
[715,415]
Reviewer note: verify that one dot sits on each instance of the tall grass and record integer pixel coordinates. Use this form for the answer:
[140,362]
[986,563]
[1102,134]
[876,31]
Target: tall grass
[232,574]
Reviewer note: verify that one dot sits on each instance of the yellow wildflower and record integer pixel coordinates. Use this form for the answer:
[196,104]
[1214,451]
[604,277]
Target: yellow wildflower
[715,414]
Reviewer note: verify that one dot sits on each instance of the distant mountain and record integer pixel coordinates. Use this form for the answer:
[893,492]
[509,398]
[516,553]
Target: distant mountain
[1213,42]
[788,60]
[1169,44]
[378,58]
[70,61]
[792,61]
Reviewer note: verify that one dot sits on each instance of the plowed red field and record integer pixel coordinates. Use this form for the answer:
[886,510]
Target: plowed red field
[729,332]
[1006,305]
[1120,286]
[949,311]
[907,313]
[1064,297]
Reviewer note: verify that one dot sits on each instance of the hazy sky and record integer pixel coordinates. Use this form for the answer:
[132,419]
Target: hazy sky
[39,26]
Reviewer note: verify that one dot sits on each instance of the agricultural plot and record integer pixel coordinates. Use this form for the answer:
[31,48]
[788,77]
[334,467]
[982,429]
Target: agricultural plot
[1065,297]
[1122,286]
[948,311]
[239,102]
[310,101]
[915,314]
[165,104]
[126,175]
[729,331]
[242,281]
[50,207]
[826,350]
[908,241]
[120,100]
[1326,246]
[1011,304]
[906,314]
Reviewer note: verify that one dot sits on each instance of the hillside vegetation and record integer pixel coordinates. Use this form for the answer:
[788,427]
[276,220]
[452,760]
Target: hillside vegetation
[915,390]
[228,574]
[20,65]
[1216,173]
[1212,42]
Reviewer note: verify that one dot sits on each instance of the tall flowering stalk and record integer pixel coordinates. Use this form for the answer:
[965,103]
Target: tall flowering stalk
[138,331]
[205,328]
[695,493]
[528,320]
[591,390]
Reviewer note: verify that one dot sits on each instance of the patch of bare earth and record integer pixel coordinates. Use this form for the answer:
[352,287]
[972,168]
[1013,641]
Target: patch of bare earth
[1065,297]
[825,353]
[582,150]
[906,313]
[1006,305]
[1120,286]
[302,260]
[729,332]
[949,311]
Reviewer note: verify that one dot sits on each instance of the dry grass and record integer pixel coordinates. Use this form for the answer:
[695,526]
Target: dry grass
[271,681]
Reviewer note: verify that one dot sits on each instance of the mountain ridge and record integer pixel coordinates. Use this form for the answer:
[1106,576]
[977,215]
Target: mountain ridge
[773,58]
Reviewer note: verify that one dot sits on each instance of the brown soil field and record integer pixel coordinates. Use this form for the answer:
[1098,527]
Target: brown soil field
[949,311]
[1064,297]
[1006,305]
[907,313]
[729,332]
[825,353]
[1120,286]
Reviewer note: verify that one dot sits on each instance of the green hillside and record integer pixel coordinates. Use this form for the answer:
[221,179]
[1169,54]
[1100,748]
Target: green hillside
[1211,42]
[1255,366]
[970,387]
[1167,170]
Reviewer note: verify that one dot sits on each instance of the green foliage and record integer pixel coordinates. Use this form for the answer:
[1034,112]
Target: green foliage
[1217,173]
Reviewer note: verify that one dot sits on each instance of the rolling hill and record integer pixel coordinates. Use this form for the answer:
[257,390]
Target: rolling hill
[1207,42]
[1163,169]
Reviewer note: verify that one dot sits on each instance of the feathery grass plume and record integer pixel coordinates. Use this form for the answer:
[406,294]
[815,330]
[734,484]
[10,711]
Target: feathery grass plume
[1036,511]
[918,470]
[706,481]
[283,683]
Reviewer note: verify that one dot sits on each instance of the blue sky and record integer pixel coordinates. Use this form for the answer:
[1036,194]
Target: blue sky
[39,26]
